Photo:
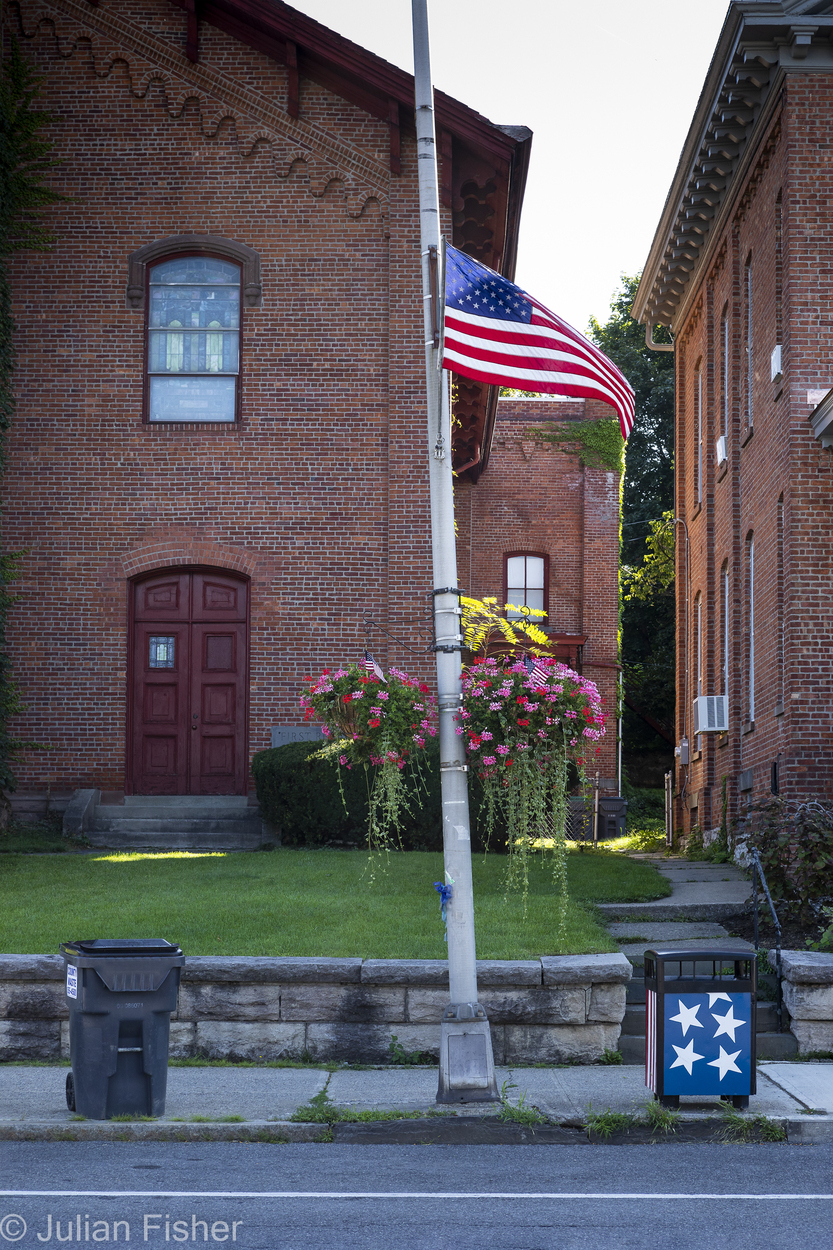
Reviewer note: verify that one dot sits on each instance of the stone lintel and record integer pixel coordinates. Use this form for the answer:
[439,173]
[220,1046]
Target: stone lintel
[585,969]
[271,969]
[809,967]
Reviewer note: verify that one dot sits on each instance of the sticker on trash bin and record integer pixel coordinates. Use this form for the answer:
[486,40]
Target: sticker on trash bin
[708,1045]
[72,981]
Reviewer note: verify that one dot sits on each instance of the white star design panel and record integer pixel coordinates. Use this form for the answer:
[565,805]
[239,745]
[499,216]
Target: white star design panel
[715,1058]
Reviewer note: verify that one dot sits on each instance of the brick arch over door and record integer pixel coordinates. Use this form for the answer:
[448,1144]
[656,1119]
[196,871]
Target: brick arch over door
[188,682]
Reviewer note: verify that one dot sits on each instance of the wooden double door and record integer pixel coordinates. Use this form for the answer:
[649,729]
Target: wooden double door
[189,683]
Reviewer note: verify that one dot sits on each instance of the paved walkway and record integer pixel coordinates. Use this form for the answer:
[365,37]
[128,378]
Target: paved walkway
[230,1102]
[700,891]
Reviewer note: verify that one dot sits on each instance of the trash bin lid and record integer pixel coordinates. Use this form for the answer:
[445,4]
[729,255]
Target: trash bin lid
[123,946]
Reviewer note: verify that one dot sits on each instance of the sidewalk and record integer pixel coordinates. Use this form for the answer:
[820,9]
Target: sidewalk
[200,1099]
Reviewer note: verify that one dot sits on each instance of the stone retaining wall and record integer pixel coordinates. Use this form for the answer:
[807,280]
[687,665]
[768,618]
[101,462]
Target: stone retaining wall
[807,983]
[549,1010]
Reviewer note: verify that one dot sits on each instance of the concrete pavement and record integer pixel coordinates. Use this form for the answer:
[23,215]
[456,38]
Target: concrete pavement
[233,1103]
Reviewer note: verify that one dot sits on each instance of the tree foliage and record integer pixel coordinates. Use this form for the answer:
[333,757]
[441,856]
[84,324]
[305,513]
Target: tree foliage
[647,567]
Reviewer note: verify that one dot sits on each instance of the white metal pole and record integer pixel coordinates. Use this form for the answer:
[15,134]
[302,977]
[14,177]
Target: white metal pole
[466,1061]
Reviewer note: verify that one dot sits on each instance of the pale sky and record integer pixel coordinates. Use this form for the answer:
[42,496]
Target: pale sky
[608,87]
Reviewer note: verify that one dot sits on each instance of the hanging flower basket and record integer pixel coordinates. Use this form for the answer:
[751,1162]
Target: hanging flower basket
[378,722]
[522,729]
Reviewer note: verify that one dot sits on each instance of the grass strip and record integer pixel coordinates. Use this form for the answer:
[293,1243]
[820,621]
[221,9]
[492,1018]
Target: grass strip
[305,903]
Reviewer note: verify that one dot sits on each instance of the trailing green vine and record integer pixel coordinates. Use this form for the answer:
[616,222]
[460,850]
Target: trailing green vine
[598,444]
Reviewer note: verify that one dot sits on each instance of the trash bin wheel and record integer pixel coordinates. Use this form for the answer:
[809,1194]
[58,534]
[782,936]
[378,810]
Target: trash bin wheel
[70,1092]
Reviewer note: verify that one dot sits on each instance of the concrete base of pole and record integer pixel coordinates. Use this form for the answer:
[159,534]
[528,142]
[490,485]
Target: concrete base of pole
[467,1064]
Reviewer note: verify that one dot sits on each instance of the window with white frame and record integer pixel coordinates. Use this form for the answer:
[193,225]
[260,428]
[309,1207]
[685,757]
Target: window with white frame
[526,582]
[724,618]
[698,656]
[750,355]
[750,627]
[699,402]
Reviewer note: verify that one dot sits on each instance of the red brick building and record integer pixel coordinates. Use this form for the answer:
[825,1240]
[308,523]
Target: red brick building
[740,270]
[219,459]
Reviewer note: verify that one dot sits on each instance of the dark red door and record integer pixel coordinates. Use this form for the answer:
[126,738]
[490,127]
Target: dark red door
[190,642]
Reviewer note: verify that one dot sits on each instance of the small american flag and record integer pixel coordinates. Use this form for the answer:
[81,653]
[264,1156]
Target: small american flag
[370,664]
[537,675]
[495,332]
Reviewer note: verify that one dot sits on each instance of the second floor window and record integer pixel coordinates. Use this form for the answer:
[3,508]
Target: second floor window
[193,339]
[526,583]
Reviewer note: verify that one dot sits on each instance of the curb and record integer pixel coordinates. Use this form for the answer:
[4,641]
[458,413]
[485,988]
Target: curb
[457,1130]
[275,1131]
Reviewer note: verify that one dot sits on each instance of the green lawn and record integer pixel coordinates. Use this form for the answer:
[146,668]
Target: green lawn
[297,902]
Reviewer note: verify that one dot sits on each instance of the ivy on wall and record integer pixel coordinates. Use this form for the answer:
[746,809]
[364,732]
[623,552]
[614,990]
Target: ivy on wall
[25,159]
[598,444]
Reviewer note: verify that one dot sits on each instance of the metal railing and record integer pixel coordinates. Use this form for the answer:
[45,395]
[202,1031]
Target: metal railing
[758,874]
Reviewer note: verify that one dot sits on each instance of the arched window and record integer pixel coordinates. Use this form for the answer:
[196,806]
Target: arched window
[193,339]
[526,582]
[191,288]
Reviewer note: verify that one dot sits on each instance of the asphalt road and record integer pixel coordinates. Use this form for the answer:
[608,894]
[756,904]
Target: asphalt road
[306,1197]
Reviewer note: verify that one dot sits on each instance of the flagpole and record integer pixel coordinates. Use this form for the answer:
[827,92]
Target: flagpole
[467,1070]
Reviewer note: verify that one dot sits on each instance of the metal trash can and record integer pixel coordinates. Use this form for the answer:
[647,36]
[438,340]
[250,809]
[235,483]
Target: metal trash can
[120,993]
[700,1024]
[581,816]
[613,814]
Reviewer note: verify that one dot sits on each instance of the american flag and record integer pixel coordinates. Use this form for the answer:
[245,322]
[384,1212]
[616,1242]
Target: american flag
[537,675]
[495,332]
[368,662]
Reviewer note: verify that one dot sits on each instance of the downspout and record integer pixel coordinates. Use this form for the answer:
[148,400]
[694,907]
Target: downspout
[655,347]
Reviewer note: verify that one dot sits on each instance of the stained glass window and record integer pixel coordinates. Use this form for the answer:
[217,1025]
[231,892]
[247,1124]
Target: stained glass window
[161,652]
[193,339]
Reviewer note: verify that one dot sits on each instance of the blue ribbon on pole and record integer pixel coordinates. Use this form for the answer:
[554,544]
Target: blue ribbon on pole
[446,893]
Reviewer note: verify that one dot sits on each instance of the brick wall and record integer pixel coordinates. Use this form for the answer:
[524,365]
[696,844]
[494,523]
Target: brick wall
[319,493]
[536,498]
[775,488]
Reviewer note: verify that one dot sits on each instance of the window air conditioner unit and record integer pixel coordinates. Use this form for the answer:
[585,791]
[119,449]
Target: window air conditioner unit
[720,448]
[711,714]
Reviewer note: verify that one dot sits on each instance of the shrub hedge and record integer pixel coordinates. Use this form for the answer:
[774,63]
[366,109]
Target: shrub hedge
[298,791]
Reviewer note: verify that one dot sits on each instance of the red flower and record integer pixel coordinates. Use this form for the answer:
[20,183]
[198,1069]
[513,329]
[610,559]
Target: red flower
[374,724]
[521,699]
[507,762]
[347,698]
[523,722]
[423,687]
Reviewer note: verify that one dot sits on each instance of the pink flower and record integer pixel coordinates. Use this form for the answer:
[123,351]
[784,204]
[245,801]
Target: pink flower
[382,694]
[419,741]
[495,707]
[502,750]
[342,759]
[489,760]
[357,694]
[486,736]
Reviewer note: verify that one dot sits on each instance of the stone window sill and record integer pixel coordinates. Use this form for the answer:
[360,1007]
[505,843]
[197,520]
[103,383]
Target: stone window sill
[779,709]
[747,435]
[749,727]
[722,470]
[698,508]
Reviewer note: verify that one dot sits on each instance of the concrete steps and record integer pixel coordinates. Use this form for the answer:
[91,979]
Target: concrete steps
[168,822]
[689,918]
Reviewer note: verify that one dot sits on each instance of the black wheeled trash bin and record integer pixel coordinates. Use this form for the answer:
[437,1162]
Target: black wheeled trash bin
[700,1024]
[120,994]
